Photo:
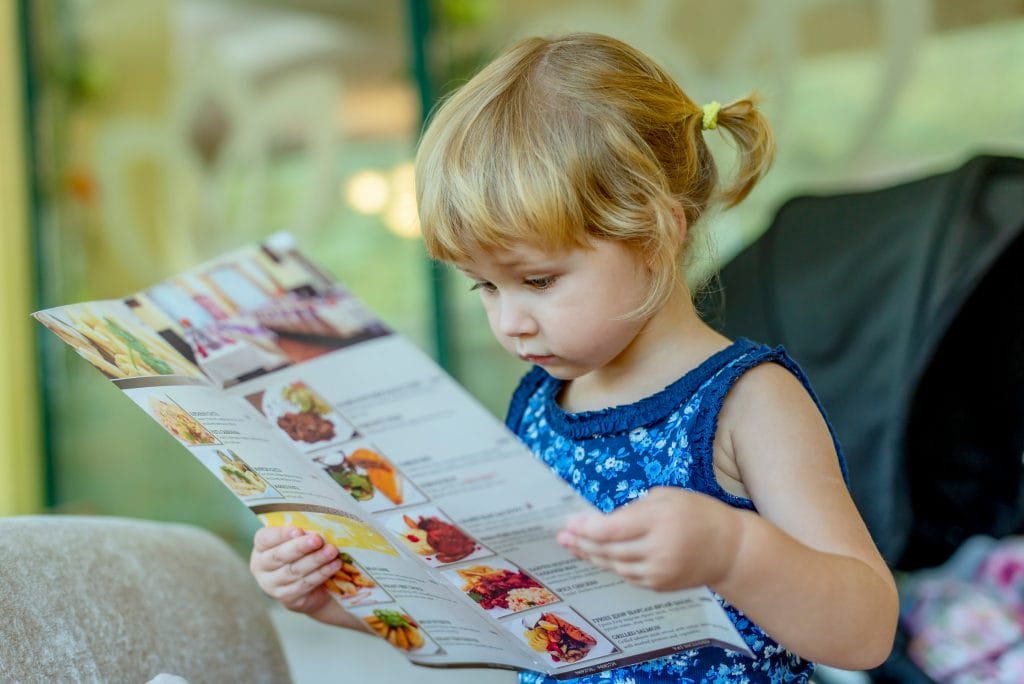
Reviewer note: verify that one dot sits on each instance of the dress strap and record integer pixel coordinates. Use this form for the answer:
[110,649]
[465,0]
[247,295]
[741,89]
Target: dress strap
[713,397]
[517,405]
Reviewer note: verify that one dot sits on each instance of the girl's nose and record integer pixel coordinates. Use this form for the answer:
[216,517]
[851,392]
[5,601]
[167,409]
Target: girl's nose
[515,319]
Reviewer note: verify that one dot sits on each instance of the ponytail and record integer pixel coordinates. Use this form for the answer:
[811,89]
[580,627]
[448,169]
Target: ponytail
[755,147]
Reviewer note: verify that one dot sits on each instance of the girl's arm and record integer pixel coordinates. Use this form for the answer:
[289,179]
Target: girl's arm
[805,569]
[836,597]
[291,566]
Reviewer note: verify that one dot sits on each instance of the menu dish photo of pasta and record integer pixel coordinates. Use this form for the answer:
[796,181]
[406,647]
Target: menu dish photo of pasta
[180,422]
[239,477]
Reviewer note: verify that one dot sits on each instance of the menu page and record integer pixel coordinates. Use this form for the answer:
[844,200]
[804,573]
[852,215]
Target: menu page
[315,414]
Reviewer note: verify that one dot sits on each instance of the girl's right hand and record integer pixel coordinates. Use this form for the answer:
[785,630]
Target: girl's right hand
[291,566]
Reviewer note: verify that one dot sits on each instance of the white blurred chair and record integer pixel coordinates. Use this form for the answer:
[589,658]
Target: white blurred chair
[90,599]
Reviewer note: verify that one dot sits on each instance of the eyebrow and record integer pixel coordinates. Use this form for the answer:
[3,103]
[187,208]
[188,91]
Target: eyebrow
[517,264]
[468,274]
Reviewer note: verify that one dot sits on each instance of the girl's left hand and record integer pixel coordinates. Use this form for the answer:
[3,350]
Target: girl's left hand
[669,539]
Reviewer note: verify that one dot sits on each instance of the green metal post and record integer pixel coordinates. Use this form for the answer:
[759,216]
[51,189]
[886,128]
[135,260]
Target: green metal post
[35,213]
[419,20]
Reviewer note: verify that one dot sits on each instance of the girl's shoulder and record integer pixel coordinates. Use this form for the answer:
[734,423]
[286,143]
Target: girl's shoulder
[769,398]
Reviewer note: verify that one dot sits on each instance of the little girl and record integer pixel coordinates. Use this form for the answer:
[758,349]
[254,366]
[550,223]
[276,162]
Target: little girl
[565,181]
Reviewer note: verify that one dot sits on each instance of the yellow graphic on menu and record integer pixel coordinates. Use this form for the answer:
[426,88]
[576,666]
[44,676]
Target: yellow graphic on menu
[337,530]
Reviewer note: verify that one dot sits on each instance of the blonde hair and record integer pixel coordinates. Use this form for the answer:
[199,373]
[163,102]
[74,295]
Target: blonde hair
[562,141]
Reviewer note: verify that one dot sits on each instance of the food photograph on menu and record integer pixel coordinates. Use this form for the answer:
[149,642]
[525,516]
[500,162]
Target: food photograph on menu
[562,635]
[108,335]
[433,538]
[236,474]
[353,587]
[398,628]
[302,415]
[369,478]
[500,587]
[179,422]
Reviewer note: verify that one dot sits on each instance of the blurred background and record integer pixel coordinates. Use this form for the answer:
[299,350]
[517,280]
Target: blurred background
[139,138]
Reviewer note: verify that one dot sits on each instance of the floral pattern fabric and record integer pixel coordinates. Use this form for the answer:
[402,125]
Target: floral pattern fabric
[615,455]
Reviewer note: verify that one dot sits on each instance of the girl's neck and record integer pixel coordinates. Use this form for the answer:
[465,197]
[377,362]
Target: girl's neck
[671,343]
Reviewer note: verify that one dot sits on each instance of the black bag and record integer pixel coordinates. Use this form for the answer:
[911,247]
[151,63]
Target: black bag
[905,307]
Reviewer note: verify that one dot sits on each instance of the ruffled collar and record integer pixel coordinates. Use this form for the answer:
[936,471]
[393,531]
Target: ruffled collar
[646,411]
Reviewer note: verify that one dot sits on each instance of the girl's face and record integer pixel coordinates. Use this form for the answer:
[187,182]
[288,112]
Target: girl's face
[567,311]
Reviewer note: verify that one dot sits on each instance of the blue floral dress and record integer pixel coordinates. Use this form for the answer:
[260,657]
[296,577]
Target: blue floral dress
[615,455]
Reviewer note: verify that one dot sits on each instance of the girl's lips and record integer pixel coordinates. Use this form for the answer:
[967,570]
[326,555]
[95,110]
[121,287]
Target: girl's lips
[538,359]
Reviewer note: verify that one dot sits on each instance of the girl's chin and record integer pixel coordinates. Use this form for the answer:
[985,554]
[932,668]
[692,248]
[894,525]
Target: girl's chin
[555,366]
[561,372]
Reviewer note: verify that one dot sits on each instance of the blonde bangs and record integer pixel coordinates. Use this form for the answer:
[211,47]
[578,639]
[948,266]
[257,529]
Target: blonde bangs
[496,166]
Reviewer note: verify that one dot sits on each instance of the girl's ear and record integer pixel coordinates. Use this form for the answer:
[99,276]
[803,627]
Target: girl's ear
[681,226]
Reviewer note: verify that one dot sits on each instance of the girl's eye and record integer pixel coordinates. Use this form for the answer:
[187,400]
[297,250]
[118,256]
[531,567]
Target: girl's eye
[541,282]
[483,286]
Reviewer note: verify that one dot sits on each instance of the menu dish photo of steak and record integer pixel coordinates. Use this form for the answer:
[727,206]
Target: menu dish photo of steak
[307,423]
[306,427]
[448,542]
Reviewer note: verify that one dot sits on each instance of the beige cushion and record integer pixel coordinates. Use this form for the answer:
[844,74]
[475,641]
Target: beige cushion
[116,600]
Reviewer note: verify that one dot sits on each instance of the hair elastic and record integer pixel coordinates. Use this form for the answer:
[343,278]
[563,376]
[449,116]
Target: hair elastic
[710,119]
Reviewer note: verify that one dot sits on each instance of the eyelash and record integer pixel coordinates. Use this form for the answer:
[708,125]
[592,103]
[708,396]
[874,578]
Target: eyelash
[540,283]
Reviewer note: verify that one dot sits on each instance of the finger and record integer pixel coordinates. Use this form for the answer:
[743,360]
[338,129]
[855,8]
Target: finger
[630,550]
[300,587]
[267,537]
[288,552]
[306,565]
[631,571]
[284,582]
[620,525]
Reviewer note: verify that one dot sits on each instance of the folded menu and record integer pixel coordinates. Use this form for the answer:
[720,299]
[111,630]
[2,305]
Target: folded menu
[315,414]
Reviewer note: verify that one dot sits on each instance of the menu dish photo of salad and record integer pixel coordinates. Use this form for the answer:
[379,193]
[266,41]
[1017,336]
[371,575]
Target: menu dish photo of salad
[445,523]
[369,477]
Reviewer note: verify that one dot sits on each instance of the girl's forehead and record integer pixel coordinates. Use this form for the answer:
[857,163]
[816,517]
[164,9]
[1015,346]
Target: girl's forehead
[527,257]
[519,256]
